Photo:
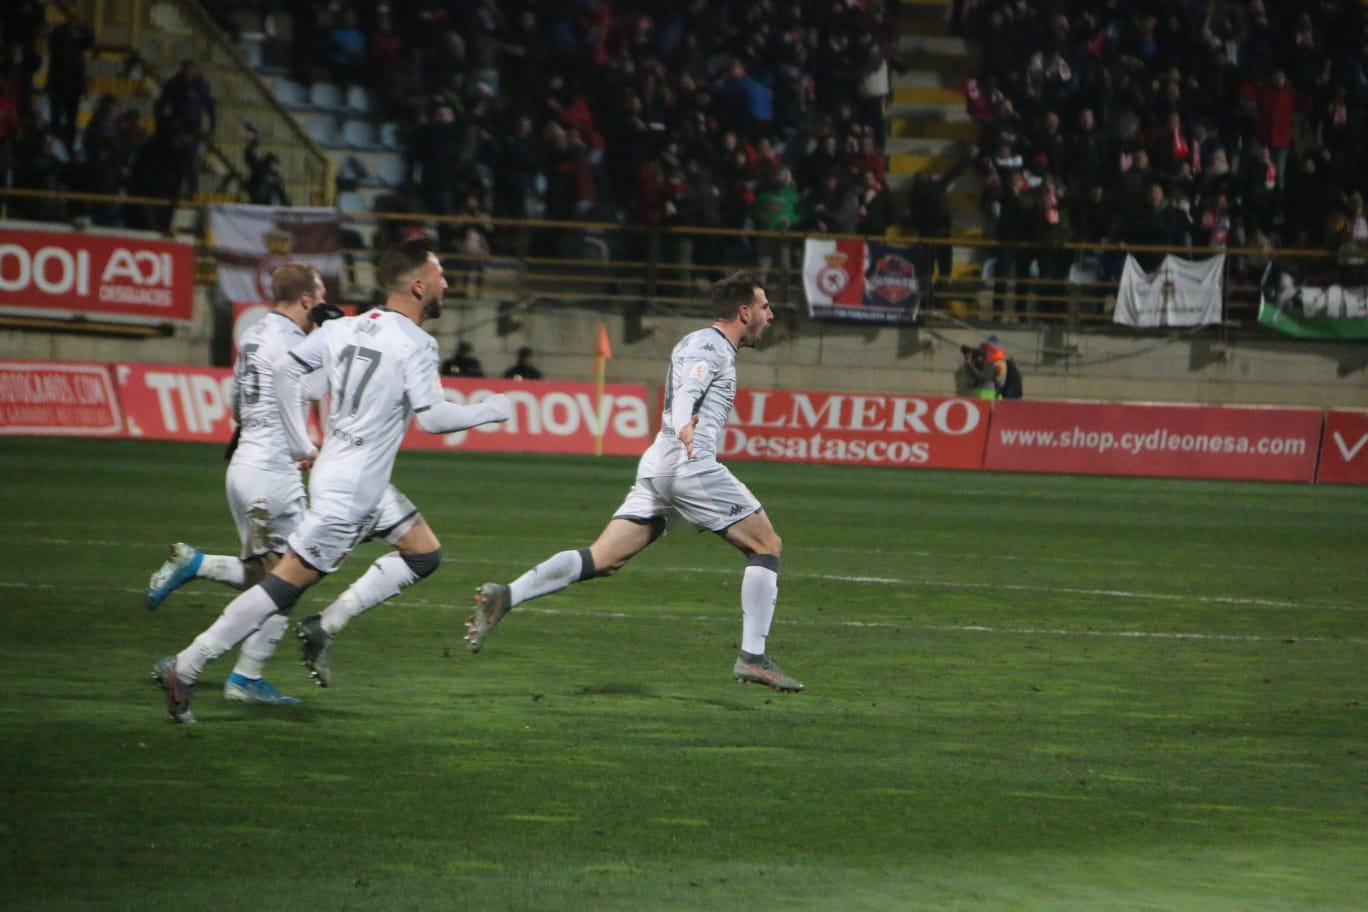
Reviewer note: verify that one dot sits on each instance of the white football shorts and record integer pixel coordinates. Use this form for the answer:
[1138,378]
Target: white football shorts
[712,500]
[266,507]
[325,541]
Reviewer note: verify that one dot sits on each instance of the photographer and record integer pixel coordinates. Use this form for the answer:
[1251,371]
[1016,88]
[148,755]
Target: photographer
[992,374]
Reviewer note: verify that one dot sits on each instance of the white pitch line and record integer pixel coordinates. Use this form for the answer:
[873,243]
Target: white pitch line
[1049,590]
[947,628]
[901,581]
[210,531]
[790,622]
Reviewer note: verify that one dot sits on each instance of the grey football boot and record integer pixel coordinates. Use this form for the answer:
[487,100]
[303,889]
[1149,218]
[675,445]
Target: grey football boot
[491,604]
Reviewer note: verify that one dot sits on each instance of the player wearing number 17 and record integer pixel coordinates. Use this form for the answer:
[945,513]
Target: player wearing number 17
[382,373]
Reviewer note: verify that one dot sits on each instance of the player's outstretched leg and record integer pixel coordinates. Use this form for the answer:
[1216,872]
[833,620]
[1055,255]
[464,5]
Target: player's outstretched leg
[182,563]
[761,669]
[492,601]
[317,648]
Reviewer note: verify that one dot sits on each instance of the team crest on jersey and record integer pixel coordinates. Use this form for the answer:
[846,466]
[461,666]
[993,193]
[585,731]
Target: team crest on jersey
[893,278]
[699,371]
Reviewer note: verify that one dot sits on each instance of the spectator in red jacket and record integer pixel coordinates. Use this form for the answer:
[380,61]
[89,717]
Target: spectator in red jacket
[1273,121]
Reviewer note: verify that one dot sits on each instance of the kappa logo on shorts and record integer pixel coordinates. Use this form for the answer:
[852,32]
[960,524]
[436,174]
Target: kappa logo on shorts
[736,508]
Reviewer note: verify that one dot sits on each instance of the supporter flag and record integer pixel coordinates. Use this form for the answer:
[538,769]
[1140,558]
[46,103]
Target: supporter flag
[1179,293]
[869,282]
[1312,311]
[249,242]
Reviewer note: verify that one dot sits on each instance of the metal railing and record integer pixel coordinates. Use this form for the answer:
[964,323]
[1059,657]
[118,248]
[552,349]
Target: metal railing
[638,270]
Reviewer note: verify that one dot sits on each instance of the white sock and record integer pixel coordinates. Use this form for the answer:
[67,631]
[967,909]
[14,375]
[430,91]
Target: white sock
[759,591]
[223,569]
[382,580]
[260,645]
[243,615]
[551,575]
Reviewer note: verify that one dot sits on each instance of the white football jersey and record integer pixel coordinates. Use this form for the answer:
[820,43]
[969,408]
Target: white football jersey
[381,369]
[702,378]
[262,444]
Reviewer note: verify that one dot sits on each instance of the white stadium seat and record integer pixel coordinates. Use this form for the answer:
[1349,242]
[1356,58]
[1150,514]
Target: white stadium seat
[325,96]
[322,128]
[358,100]
[359,134]
[291,94]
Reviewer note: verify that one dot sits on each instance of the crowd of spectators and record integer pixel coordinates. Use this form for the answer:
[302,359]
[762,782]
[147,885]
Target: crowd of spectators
[1204,123]
[1181,123]
[703,113]
[43,147]
[706,113]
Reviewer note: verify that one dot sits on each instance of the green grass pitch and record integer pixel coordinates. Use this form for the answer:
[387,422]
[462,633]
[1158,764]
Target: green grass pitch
[1024,693]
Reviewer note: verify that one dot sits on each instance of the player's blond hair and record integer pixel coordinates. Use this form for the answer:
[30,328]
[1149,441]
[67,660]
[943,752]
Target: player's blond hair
[291,280]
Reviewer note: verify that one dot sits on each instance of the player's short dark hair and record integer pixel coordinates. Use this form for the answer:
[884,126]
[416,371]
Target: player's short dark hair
[398,262]
[291,280]
[729,294]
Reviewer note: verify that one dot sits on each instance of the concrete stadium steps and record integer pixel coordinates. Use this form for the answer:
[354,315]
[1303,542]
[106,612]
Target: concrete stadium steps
[929,129]
[923,17]
[911,163]
[917,123]
[907,93]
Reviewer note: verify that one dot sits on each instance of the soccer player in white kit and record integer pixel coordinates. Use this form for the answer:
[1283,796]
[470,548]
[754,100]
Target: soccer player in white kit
[265,493]
[679,478]
[382,373]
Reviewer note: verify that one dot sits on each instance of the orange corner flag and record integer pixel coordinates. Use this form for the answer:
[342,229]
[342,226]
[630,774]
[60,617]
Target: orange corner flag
[605,351]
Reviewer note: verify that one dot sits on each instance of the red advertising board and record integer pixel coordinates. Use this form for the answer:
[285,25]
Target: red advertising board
[1344,449]
[50,398]
[106,275]
[856,429]
[1177,441]
[165,402]
[548,417]
[170,402]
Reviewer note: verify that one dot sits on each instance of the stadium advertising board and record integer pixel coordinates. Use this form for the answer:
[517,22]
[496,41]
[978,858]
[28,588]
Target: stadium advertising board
[168,402]
[1344,449]
[164,402]
[1174,441]
[62,273]
[548,417]
[856,429]
[58,398]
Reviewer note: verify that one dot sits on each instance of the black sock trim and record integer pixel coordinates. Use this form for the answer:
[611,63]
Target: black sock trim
[768,561]
[587,569]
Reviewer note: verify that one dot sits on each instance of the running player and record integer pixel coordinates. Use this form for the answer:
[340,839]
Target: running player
[382,372]
[265,493]
[679,478]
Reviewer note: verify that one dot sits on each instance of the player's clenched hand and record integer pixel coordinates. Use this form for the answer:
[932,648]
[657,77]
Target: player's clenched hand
[686,435]
[307,462]
[503,409]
